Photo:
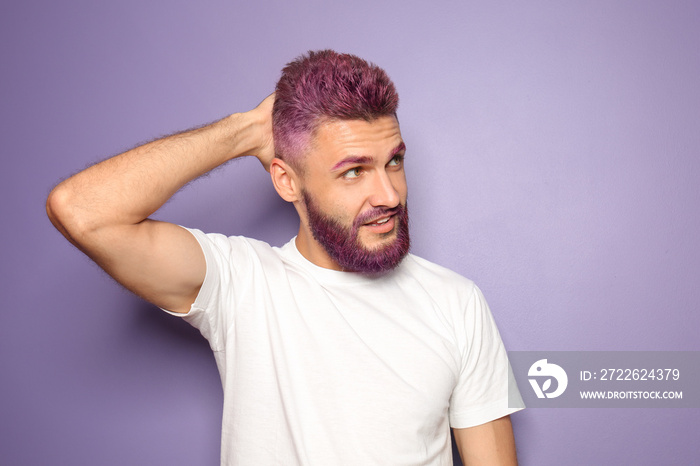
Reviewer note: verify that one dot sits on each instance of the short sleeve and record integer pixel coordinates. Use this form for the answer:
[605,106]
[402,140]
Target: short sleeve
[226,261]
[481,393]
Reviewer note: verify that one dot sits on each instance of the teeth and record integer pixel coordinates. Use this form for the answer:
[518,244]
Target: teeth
[380,222]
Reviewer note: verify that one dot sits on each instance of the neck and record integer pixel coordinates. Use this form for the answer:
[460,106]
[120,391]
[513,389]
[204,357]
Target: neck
[313,251]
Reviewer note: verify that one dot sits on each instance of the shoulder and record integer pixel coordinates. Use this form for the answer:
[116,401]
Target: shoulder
[434,273]
[237,252]
[226,244]
[438,280]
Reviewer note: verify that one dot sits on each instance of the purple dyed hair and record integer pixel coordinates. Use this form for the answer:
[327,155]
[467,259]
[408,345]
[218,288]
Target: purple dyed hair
[326,85]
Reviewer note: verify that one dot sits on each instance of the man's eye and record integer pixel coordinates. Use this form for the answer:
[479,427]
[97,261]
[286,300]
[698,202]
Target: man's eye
[397,160]
[353,172]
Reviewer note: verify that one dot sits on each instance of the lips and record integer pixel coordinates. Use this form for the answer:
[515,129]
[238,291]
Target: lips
[376,216]
[380,221]
[381,225]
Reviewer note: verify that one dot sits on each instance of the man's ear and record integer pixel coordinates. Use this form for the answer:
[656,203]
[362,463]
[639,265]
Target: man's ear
[285,180]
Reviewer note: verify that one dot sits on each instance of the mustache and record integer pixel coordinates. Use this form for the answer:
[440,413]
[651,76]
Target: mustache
[377,213]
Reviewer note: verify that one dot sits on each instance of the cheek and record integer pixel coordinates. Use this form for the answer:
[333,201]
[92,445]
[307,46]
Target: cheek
[348,213]
[342,207]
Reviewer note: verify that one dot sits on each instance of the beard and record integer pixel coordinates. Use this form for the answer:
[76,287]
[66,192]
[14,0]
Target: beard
[343,245]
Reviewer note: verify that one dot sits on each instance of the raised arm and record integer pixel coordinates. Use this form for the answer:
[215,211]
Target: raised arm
[104,209]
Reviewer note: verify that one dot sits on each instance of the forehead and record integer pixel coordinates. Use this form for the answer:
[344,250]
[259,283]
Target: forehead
[338,139]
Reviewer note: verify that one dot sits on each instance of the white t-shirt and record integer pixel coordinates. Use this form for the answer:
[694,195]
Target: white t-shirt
[321,367]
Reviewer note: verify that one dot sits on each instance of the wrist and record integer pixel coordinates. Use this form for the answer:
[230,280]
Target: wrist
[242,134]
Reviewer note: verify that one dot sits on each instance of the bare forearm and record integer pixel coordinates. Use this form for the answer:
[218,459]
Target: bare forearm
[128,188]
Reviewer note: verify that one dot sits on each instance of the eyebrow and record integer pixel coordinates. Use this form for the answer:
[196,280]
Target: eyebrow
[355,159]
[365,159]
[398,149]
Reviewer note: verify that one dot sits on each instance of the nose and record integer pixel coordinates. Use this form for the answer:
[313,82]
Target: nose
[384,191]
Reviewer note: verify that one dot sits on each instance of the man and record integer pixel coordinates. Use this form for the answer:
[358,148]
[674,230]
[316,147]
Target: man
[338,348]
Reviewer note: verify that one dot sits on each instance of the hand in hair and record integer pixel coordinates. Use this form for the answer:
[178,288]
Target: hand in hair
[266,149]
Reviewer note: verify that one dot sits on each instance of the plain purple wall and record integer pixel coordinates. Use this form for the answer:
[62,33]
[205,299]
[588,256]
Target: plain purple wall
[552,157]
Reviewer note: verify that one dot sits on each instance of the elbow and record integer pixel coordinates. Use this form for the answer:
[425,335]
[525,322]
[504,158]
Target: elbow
[62,213]
[55,206]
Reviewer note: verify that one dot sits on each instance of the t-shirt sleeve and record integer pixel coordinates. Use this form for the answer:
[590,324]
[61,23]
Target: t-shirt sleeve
[227,259]
[482,391]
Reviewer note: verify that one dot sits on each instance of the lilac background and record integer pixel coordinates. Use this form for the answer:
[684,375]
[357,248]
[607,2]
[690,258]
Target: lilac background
[553,158]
